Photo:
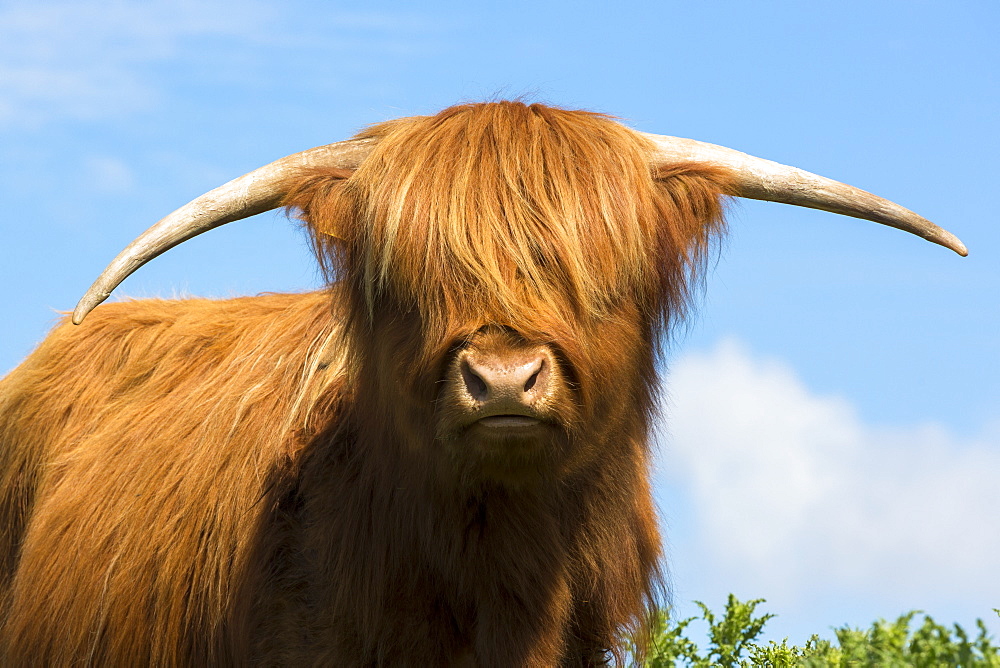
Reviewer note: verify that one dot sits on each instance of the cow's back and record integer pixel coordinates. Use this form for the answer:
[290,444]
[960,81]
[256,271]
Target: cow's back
[135,451]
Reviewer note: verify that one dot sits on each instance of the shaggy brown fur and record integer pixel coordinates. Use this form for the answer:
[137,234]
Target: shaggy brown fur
[285,479]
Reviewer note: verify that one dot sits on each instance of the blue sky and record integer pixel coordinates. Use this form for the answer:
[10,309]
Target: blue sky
[832,431]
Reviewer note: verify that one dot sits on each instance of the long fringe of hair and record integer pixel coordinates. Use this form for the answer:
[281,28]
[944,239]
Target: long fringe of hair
[507,212]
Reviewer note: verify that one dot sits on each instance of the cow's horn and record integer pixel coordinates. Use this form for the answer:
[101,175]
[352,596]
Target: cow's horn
[259,191]
[263,189]
[774,182]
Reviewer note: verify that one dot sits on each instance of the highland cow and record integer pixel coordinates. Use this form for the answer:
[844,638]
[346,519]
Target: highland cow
[441,458]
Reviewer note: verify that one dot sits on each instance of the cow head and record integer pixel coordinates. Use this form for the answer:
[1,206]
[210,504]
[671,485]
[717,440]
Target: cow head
[508,270]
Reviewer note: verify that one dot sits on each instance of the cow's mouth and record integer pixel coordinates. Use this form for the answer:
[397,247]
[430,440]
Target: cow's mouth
[508,421]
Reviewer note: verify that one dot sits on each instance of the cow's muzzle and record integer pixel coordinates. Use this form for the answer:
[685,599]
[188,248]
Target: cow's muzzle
[499,383]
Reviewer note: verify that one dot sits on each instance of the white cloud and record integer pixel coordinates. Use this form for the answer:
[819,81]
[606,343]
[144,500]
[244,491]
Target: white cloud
[795,497]
[91,59]
[108,174]
[84,59]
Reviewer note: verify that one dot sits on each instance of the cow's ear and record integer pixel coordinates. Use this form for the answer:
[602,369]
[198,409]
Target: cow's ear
[691,201]
[317,198]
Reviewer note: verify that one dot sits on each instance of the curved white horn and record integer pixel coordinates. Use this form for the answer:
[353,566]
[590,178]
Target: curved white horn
[260,190]
[264,188]
[771,181]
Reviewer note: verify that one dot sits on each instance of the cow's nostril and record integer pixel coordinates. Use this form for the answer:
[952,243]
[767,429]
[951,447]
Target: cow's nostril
[534,377]
[474,384]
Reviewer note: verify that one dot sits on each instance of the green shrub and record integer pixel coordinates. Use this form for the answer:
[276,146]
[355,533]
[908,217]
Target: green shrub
[733,641]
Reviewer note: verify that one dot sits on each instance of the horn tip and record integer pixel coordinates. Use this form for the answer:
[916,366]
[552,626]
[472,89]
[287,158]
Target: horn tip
[86,305]
[951,242]
[79,313]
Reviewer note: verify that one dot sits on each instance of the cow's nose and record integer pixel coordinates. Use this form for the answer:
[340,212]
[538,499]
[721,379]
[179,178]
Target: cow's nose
[518,378]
